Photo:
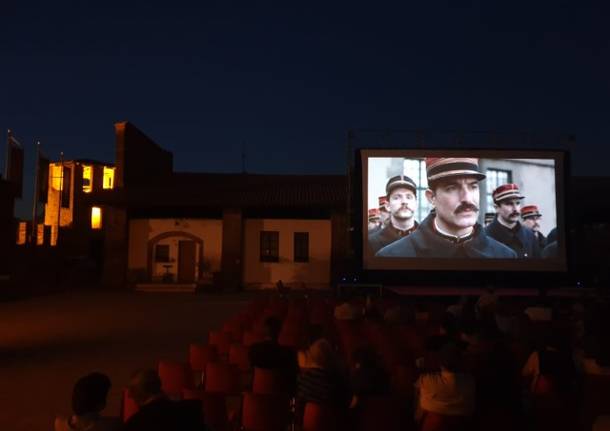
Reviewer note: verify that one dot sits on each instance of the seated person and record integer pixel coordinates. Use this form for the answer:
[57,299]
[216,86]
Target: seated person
[368,377]
[448,391]
[88,400]
[322,380]
[158,413]
[348,310]
[269,355]
[553,361]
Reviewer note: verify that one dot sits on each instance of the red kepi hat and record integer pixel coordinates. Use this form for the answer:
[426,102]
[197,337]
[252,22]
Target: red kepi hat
[506,191]
[382,201]
[530,211]
[438,168]
[373,214]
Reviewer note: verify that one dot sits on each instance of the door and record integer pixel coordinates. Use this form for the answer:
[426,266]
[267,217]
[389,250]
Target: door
[187,252]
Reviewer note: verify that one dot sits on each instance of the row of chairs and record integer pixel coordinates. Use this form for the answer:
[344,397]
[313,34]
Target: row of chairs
[219,374]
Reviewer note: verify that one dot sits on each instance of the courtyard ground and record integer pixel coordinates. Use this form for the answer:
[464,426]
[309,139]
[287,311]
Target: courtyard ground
[48,342]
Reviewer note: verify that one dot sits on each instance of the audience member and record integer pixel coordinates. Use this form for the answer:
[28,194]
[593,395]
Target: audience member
[368,377]
[348,311]
[156,412]
[448,391]
[88,400]
[268,354]
[552,360]
[322,380]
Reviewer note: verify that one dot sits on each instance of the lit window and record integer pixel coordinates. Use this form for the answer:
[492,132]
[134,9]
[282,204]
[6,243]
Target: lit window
[96,218]
[495,178]
[54,230]
[108,178]
[21,232]
[87,179]
[56,175]
[40,234]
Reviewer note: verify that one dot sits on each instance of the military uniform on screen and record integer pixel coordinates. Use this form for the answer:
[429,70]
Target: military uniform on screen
[390,233]
[532,213]
[427,242]
[519,238]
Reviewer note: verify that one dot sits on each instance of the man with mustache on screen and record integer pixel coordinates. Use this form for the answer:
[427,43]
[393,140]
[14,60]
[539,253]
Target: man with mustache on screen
[401,202]
[451,230]
[506,227]
[531,216]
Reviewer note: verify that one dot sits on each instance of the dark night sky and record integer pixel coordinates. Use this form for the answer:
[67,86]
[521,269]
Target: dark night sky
[288,79]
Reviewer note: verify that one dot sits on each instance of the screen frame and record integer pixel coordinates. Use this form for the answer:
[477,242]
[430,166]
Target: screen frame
[371,263]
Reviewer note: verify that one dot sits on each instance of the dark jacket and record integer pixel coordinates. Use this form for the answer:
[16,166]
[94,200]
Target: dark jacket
[166,415]
[387,235]
[270,355]
[551,250]
[426,242]
[521,239]
[541,240]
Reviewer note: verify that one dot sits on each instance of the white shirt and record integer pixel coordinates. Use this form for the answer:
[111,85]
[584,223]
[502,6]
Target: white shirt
[447,393]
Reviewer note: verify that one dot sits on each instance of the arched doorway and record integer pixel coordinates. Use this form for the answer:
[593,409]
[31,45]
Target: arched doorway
[188,249]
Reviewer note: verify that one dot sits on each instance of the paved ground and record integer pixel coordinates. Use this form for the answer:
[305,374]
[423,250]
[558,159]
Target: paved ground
[46,343]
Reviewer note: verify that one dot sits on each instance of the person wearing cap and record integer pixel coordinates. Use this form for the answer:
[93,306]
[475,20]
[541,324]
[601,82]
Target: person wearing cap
[506,227]
[374,223]
[451,229]
[384,214]
[531,216]
[401,193]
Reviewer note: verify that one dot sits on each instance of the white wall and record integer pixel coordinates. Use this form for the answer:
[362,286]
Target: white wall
[315,273]
[142,230]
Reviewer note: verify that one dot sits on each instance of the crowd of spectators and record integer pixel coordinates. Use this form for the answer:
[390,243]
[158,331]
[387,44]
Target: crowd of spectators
[477,363]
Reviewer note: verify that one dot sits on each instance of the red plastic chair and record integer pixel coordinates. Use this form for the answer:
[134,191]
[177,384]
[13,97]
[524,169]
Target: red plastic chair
[317,417]
[222,341]
[200,355]
[175,376]
[238,356]
[252,337]
[263,412]
[128,406]
[235,329]
[266,381]
[215,413]
[222,378]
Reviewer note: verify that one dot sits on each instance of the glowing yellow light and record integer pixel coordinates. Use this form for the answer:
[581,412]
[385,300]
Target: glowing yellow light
[56,175]
[21,232]
[53,236]
[108,177]
[40,234]
[87,178]
[96,218]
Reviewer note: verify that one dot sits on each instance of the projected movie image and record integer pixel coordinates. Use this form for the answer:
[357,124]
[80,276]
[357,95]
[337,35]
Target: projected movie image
[496,210]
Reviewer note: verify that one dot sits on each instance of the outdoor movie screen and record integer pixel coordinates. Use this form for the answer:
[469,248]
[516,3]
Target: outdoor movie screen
[463,210]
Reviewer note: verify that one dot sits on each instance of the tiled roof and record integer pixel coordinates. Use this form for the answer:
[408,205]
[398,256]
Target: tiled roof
[242,191]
